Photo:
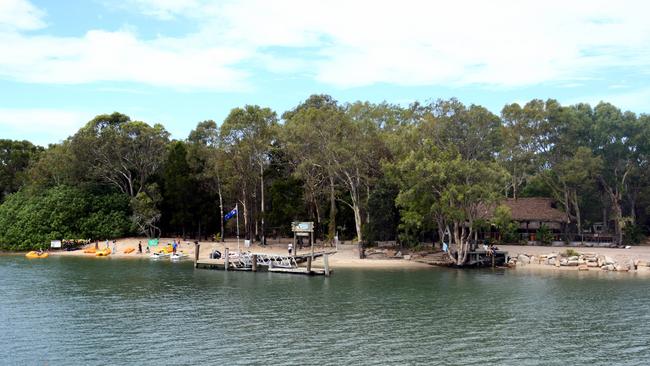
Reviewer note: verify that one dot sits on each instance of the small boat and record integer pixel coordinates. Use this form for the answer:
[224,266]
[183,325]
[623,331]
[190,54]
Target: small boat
[35,254]
[103,252]
[158,255]
[176,256]
[128,250]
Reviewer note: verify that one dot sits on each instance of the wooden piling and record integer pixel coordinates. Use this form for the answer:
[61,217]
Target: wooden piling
[326,265]
[254,263]
[309,264]
[226,259]
[197,247]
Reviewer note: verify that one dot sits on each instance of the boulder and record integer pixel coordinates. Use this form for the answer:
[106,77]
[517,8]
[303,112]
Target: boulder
[607,267]
[592,264]
[523,259]
[641,263]
[583,268]
[643,269]
[572,263]
[551,261]
[609,260]
[564,262]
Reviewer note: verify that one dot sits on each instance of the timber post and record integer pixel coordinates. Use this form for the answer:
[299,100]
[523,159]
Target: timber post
[226,259]
[197,247]
[254,263]
[309,264]
[326,265]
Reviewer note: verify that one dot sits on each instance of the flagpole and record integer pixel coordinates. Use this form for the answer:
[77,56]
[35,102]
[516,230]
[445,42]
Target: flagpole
[237,211]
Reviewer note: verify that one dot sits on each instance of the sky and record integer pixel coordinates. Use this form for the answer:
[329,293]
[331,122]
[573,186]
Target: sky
[181,62]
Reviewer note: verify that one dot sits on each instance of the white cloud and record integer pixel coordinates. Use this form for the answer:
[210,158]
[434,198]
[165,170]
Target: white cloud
[119,56]
[20,15]
[41,126]
[501,43]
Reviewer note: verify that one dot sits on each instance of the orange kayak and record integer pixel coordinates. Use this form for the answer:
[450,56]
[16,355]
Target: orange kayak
[103,252]
[128,250]
[90,250]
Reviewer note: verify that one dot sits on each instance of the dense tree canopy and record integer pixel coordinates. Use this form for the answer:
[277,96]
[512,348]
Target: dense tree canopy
[367,172]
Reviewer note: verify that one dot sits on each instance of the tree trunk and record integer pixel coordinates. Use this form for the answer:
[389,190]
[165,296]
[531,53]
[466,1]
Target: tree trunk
[576,206]
[243,203]
[263,238]
[357,221]
[331,232]
[221,214]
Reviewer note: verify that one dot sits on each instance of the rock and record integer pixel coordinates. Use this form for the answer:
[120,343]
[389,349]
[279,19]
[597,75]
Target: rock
[583,268]
[557,263]
[600,261]
[592,264]
[643,269]
[532,259]
[608,260]
[641,263]
[398,254]
[407,257]
[574,258]
[523,259]
[572,263]
[551,261]
[607,267]
[564,262]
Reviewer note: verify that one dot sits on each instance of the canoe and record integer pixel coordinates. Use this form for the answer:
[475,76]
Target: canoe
[103,252]
[90,250]
[34,254]
[128,250]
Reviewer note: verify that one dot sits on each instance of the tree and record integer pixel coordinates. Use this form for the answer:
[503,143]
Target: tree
[15,158]
[248,134]
[209,165]
[125,154]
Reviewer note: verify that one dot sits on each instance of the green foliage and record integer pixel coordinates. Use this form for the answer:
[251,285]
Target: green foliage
[544,235]
[63,212]
[15,157]
[570,253]
[632,234]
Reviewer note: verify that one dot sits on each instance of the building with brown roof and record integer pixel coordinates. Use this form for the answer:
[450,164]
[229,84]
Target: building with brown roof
[531,213]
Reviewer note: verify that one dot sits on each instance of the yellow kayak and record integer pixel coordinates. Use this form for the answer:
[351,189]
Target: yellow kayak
[34,254]
[103,252]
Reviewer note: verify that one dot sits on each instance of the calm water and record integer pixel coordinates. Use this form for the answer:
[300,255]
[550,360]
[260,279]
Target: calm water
[62,311]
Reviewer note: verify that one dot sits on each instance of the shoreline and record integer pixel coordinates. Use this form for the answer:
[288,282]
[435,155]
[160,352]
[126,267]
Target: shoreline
[348,258]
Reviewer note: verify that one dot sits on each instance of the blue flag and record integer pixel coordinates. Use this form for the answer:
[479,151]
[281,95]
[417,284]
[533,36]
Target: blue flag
[230,214]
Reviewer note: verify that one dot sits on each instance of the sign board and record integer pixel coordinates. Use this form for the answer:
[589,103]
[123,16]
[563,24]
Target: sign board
[55,244]
[152,242]
[302,227]
[298,233]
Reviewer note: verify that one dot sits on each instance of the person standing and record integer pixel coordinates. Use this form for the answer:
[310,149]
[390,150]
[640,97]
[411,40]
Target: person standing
[174,246]
[290,248]
[140,247]
[114,247]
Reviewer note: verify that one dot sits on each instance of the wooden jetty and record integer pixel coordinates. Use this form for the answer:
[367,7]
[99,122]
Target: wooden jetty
[254,262]
[486,258]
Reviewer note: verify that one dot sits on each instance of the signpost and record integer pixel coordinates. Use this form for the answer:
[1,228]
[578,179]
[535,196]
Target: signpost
[55,244]
[304,229]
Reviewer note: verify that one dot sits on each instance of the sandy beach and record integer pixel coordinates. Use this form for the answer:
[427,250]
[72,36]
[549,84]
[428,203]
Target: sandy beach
[344,258]
[349,258]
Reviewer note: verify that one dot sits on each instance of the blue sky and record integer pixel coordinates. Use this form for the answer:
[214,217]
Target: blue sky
[181,62]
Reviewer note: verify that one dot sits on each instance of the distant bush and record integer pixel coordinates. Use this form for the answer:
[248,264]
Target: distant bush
[29,221]
[544,235]
[570,253]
